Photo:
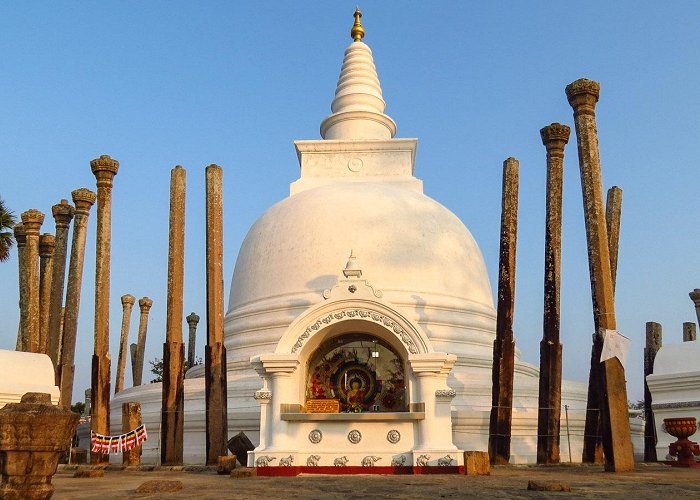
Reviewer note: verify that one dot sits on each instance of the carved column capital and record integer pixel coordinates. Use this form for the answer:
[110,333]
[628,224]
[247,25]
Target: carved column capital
[555,136]
[192,319]
[32,220]
[104,168]
[694,295]
[47,242]
[63,213]
[84,199]
[583,95]
[145,304]
[128,300]
[20,235]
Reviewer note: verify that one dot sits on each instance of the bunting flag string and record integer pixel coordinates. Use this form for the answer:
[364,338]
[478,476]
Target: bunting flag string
[118,444]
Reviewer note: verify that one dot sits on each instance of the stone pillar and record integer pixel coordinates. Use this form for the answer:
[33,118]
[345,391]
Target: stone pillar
[215,353]
[83,199]
[653,344]
[173,409]
[689,332]
[21,239]
[127,304]
[695,297]
[134,350]
[613,211]
[32,220]
[504,345]
[192,321]
[47,243]
[145,306]
[554,137]
[104,168]
[608,377]
[88,402]
[131,419]
[63,213]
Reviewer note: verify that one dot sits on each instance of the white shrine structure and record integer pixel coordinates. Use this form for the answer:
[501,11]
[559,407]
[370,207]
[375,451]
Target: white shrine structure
[381,360]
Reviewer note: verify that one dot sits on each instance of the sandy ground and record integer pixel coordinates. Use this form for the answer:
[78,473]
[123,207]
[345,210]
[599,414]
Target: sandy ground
[648,481]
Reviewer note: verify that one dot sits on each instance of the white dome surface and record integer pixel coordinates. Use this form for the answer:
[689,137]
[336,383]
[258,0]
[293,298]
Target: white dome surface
[409,246]
[404,241]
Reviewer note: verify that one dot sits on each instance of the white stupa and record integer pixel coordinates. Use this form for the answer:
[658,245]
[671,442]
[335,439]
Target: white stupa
[400,337]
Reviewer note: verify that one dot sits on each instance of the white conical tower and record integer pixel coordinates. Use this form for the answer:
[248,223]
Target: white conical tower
[358,106]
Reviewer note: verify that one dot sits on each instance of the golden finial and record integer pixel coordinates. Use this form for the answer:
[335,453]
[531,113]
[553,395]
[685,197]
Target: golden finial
[357,32]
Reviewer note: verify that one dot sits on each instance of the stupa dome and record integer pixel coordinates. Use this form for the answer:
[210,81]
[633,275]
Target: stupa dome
[412,248]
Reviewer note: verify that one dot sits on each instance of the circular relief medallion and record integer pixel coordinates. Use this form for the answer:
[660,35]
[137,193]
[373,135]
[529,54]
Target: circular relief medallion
[315,436]
[393,436]
[354,436]
[355,165]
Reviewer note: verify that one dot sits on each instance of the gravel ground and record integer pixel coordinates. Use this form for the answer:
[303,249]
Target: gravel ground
[648,481]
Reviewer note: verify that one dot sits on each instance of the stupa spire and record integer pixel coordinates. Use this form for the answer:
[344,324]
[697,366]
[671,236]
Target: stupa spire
[358,106]
[357,32]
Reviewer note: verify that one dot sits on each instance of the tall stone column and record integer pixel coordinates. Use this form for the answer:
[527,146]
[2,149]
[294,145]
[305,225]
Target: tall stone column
[554,137]
[32,220]
[689,332]
[695,297]
[104,168]
[613,212]
[63,213]
[47,243]
[609,376]
[83,199]
[215,353]
[192,321]
[145,306]
[173,409]
[134,350]
[653,344]
[504,345]
[127,304]
[21,239]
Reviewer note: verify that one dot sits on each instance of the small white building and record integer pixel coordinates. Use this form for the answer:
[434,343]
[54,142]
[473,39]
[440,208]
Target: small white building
[400,338]
[675,389]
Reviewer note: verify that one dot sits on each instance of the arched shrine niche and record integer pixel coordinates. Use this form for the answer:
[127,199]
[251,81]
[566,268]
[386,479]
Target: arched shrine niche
[362,372]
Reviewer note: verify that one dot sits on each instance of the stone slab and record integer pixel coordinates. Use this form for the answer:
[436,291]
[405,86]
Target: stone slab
[547,486]
[160,486]
[477,463]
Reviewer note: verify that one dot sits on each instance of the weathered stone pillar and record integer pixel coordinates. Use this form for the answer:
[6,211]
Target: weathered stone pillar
[134,350]
[173,409]
[653,344]
[127,304]
[32,220]
[554,137]
[34,434]
[88,402]
[104,168]
[131,419]
[192,321]
[215,353]
[504,345]
[46,250]
[609,379]
[21,239]
[613,211]
[63,213]
[145,306]
[695,297]
[689,332]
[83,199]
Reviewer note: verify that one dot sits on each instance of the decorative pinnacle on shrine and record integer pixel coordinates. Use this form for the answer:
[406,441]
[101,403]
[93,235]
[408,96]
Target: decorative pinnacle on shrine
[357,32]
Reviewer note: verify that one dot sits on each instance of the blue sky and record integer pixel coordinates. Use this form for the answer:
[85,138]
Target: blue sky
[155,84]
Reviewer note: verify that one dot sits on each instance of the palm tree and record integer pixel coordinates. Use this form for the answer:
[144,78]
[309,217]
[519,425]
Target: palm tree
[7,222]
